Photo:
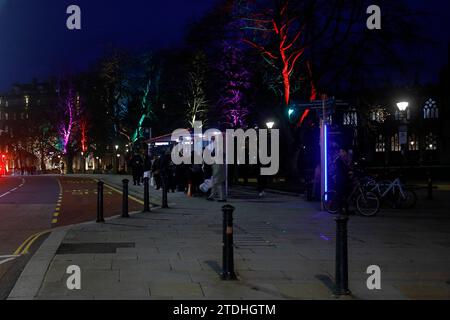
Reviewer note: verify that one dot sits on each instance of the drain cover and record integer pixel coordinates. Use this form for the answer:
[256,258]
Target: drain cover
[81,248]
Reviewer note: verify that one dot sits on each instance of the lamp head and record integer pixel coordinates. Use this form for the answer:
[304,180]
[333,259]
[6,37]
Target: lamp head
[270,124]
[402,106]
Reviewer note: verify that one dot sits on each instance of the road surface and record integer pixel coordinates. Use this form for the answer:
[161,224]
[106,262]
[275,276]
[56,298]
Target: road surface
[33,205]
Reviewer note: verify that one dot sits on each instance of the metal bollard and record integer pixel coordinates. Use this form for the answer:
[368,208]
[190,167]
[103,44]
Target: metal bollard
[146,195]
[164,204]
[228,255]
[430,187]
[100,186]
[125,199]
[341,256]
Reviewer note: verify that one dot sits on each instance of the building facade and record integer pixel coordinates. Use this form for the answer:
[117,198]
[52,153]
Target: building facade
[20,111]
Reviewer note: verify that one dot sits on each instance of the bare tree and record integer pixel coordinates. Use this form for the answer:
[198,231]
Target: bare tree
[195,96]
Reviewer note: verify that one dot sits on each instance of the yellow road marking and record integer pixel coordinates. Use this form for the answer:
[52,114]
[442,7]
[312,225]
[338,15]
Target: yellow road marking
[58,204]
[120,192]
[19,249]
[25,251]
[25,246]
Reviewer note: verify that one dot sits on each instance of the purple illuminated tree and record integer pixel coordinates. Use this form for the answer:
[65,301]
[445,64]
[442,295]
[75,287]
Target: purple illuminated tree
[68,105]
[68,114]
[233,102]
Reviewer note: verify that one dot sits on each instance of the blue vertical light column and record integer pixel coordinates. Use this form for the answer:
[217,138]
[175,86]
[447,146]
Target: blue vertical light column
[325,150]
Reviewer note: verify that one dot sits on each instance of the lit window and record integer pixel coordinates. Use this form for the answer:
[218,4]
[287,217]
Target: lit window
[379,115]
[380,145]
[430,110]
[395,143]
[413,143]
[27,102]
[351,118]
[431,142]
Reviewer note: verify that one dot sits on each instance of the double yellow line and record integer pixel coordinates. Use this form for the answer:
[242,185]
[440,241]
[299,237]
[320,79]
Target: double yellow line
[26,245]
[120,192]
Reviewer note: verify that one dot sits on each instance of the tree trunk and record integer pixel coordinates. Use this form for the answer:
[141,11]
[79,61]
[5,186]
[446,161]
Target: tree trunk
[70,156]
[43,168]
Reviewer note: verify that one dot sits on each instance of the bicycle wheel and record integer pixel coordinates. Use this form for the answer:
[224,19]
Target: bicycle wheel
[331,202]
[408,200]
[368,204]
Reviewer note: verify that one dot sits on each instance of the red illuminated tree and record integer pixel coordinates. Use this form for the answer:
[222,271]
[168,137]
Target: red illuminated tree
[283,33]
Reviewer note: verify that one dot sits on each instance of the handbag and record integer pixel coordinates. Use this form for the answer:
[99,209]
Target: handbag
[206,185]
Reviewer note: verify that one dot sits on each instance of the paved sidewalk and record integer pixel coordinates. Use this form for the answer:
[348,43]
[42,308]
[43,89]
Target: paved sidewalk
[284,250]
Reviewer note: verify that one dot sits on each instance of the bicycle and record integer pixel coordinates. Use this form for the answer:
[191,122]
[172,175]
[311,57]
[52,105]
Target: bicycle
[395,191]
[366,203]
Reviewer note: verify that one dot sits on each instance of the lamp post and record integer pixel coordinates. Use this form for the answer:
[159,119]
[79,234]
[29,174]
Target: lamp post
[402,106]
[116,160]
[403,129]
[83,163]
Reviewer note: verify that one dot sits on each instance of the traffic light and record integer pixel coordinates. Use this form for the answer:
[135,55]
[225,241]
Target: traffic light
[298,115]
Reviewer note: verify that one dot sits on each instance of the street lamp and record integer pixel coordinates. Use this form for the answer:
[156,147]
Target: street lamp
[402,106]
[403,129]
[270,125]
[117,147]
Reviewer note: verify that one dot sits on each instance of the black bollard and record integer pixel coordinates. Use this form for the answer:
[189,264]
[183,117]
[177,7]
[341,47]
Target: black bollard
[100,218]
[164,203]
[146,195]
[341,256]
[125,199]
[228,255]
[430,187]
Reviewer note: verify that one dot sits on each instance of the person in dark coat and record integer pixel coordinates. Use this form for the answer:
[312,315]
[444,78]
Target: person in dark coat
[137,168]
[157,172]
[165,167]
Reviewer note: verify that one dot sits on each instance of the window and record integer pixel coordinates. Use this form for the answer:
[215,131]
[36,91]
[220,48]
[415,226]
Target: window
[380,145]
[379,115]
[413,143]
[430,110]
[395,143]
[431,142]
[351,118]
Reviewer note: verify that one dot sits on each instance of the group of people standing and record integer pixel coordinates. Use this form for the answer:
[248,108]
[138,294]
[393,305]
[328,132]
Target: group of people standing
[162,172]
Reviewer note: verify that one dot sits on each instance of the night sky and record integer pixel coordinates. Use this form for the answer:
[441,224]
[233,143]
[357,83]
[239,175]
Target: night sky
[34,42]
